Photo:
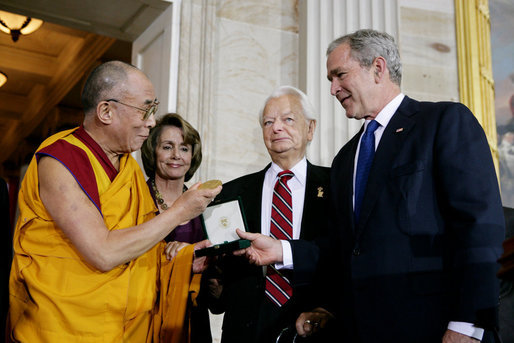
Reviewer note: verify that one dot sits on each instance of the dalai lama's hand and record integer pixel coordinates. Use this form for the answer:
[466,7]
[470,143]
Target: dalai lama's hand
[172,249]
[199,263]
[264,250]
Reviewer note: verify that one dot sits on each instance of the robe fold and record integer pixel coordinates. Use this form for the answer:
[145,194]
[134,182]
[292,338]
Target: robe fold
[170,324]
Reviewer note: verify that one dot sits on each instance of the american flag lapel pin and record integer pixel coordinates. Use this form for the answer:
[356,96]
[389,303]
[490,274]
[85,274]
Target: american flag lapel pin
[399,130]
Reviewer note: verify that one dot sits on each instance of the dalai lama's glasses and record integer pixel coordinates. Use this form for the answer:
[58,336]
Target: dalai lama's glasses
[147,112]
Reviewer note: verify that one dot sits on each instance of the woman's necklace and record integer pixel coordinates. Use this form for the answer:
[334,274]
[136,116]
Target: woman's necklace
[158,197]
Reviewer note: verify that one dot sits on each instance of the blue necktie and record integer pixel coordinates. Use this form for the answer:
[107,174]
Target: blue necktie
[366,153]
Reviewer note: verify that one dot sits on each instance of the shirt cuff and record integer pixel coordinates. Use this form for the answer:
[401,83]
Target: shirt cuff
[287,256]
[467,329]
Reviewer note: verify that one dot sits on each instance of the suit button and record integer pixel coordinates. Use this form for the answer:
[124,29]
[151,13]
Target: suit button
[356,252]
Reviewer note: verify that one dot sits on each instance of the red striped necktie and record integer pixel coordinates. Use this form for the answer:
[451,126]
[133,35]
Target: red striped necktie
[278,287]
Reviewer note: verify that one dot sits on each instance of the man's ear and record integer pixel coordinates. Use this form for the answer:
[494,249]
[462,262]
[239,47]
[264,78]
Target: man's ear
[380,68]
[103,112]
[311,129]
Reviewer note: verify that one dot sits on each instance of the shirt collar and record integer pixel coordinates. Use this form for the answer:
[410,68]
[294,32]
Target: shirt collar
[383,117]
[299,170]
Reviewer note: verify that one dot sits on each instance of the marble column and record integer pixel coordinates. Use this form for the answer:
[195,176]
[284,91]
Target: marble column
[232,55]
[320,23]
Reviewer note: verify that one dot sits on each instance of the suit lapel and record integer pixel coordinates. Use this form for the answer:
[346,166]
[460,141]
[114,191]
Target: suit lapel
[390,144]
[251,194]
[345,176]
[314,191]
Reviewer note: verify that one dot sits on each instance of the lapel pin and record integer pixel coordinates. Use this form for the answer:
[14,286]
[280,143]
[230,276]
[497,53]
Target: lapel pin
[320,192]
[399,130]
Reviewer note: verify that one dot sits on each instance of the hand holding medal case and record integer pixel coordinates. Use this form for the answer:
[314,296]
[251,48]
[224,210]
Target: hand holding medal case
[220,221]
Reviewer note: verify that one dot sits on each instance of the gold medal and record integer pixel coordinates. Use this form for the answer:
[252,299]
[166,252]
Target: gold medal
[211,184]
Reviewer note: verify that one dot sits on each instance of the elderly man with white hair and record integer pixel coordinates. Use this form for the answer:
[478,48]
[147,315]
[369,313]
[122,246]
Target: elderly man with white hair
[287,201]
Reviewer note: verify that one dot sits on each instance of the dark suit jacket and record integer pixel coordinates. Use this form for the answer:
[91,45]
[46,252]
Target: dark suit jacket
[425,249]
[249,316]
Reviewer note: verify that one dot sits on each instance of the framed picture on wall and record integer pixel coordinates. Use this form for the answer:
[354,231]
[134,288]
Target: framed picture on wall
[502,51]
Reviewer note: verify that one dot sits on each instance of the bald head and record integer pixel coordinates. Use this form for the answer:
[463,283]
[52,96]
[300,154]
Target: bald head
[101,82]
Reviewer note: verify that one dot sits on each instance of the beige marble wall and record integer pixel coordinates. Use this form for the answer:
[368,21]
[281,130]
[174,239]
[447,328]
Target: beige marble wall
[249,48]
[428,50]
[233,54]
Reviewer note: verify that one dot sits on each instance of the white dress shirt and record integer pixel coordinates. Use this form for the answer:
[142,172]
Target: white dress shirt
[297,186]
[383,118]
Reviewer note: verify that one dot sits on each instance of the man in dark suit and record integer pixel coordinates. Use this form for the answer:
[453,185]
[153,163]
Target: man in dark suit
[251,313]
[416,215]
[419,237]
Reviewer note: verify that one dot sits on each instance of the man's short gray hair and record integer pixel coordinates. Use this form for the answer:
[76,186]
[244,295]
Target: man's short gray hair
[307,108]
[366,45]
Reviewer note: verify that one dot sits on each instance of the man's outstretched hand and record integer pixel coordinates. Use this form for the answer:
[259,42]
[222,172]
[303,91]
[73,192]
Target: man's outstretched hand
[263,250]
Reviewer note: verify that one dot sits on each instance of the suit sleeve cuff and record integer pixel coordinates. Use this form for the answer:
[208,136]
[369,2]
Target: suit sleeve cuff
[287,256]
[467,329]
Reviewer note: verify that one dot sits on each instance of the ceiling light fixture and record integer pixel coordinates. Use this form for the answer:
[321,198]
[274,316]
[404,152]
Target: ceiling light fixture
[3,79]
[16,25]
